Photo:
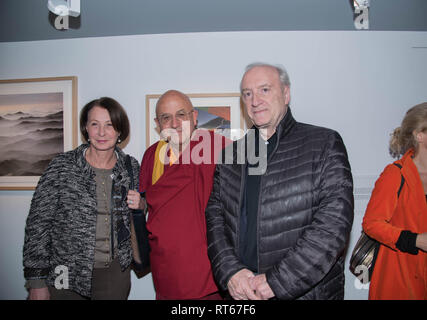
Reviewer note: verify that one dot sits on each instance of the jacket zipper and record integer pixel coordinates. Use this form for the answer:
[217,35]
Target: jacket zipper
[257,223]
[258,218]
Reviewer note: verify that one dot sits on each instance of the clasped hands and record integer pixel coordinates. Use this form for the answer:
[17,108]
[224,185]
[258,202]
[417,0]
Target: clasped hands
[245,285]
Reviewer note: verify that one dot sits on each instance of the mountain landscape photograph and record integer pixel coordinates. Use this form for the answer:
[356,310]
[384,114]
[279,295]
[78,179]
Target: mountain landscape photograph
[31,132]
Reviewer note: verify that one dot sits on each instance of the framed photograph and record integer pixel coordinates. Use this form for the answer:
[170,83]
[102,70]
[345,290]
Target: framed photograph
[221,112]
[38,120]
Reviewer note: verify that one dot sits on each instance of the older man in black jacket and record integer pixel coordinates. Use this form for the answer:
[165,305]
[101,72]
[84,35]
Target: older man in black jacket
[280,231]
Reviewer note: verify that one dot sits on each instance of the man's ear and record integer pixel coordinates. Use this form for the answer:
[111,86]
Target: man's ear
[195,114]
[287,93]
[157,125]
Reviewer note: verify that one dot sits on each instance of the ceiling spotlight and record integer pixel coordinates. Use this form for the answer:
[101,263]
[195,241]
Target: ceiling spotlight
[360,4]
[360,13]
[64,7]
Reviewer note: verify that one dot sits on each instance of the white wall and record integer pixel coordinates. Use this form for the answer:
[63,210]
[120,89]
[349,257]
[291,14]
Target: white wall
[359,83]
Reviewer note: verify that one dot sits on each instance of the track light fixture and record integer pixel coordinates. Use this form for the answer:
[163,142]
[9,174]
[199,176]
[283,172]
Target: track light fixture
[61,11]
[360,13]
[64,7]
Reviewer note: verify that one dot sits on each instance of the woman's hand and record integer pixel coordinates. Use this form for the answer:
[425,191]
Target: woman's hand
[135,201]
[39,294]
[421,241]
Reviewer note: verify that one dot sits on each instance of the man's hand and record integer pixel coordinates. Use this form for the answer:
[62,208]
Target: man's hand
[39,294]
[239,286]
[261,287]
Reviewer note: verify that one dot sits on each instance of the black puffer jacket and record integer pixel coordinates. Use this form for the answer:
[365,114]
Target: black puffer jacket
[305,214]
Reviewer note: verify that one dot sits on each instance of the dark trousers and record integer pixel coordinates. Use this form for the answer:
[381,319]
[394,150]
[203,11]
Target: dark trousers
[107,284]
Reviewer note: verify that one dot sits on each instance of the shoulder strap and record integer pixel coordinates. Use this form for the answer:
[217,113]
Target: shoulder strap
[377,247]
[130,171]
[402,181]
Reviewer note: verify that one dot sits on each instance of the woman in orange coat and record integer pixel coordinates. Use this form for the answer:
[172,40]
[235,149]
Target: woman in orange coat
[399,222]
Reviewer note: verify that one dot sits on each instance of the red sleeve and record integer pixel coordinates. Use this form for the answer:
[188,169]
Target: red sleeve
[381,206]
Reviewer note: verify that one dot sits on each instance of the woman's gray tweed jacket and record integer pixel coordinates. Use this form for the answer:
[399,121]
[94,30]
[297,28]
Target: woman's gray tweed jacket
[61,226]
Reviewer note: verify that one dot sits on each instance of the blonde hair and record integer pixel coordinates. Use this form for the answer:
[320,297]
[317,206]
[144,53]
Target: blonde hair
[402,138]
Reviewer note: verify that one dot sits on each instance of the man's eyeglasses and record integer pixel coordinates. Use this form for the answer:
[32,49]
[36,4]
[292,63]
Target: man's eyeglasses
[181,115]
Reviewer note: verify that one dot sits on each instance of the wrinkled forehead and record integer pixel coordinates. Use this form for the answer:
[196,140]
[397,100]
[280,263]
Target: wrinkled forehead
[173,103]
[260,76]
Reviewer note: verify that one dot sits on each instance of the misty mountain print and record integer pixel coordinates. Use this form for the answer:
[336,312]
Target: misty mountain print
[29,141]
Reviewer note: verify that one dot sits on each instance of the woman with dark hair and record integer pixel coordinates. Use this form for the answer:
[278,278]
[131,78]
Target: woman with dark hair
[396,214]
[77,237]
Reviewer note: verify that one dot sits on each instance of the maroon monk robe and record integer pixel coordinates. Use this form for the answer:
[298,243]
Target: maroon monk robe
[176,223]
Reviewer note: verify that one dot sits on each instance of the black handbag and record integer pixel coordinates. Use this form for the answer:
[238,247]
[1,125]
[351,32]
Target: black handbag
[366,249]
[139,232]
[364,254]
